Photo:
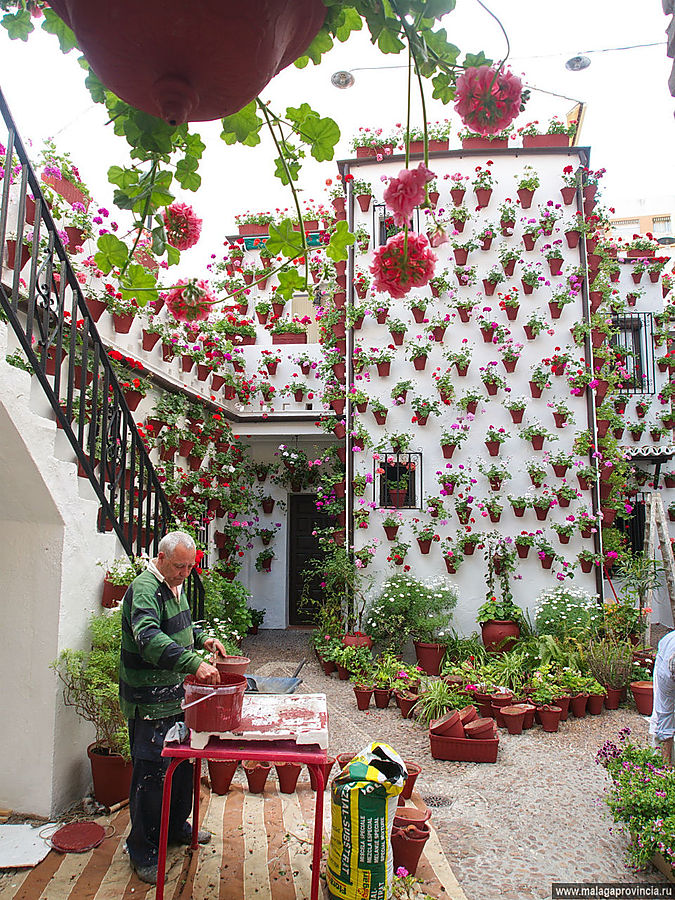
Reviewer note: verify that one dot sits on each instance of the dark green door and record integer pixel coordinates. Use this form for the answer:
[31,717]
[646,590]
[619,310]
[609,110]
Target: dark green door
[304,519]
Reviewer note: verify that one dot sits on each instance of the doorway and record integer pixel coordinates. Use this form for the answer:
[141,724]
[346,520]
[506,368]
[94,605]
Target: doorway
[303,519]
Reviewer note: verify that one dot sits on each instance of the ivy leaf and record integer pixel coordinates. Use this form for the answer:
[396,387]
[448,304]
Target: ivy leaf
[322,136]
[290,281]
[340,239]
[159,239]
[299,114]
[293,166]
[55,25]
[242,127]
[112,253]
[284,240]
[474,60]
[350,21]
[95,87]
[435,9]
[18,25]
[444,88]
[321,44]
[186,176]
[123,178]
[194,145]
[139,284]
[161,195]
[172,255]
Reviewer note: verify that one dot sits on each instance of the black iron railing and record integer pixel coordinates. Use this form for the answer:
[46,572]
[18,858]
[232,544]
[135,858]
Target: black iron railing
[635,344]
[43,303]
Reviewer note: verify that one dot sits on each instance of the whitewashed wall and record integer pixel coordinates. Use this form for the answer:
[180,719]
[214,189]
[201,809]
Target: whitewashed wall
[531,579]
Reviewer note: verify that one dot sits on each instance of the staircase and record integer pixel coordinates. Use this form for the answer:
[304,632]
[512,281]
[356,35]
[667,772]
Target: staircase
[40,301]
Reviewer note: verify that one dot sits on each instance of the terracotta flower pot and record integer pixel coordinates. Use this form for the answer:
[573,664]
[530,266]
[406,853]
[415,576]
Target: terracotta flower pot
[613,698]
[363,695]
[578,705]
[256,772]
[405,700]
[221,773]
[382,697]
[429,656]
[449,725]
[111,775]
[407,846]
[235,665]
[499,635]
[514,717]
[643,694]
[411,815]
[288,774]
[549,717]
[327,766]
[480,729]
[595,704]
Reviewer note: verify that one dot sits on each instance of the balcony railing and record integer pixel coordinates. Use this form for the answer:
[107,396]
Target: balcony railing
[41,299]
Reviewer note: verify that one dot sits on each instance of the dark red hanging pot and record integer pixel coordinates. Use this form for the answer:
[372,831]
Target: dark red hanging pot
[191,61]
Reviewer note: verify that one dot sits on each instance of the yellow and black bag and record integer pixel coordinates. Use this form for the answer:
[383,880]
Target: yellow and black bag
[364,797]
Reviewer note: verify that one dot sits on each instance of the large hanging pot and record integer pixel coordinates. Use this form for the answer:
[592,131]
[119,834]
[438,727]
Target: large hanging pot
[190,61]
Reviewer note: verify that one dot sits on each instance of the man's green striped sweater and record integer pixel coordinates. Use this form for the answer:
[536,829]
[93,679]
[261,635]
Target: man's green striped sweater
[158,641]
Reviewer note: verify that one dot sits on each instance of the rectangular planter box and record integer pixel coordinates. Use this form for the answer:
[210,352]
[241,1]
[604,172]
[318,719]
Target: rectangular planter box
[464,749]
[480,143]
[546,140]
[289,338]
[251,229]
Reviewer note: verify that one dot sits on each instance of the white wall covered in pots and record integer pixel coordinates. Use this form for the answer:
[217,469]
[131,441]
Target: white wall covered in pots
[470,579]
[49,548]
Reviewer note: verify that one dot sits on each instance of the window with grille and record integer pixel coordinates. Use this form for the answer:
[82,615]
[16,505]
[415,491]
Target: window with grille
[398,480]
[662,225]
[383,223]
[635,346]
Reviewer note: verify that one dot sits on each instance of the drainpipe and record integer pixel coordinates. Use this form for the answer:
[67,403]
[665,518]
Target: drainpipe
[590,399]
[349,381]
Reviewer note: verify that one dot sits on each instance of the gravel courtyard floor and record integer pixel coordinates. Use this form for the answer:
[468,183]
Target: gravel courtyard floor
[508,830]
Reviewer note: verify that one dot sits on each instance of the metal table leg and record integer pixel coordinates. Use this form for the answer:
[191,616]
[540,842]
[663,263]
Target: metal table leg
[318,831]
[164,828]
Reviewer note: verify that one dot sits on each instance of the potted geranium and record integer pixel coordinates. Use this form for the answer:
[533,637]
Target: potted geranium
[290,331]
[425,534]
[537,434]
[500,622]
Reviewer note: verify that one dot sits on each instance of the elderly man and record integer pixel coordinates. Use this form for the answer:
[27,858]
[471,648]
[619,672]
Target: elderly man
[663,717]
[158,651]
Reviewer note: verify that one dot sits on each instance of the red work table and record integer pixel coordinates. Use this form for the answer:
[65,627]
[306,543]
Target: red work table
[312,755]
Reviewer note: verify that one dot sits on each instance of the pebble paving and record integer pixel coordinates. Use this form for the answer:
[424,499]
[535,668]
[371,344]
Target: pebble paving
[508,830]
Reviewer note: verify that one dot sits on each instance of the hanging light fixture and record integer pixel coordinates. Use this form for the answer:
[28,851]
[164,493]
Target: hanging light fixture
[577,63]
[342,79]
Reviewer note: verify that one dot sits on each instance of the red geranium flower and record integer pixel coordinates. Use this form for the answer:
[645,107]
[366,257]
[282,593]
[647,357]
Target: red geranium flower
[488,99]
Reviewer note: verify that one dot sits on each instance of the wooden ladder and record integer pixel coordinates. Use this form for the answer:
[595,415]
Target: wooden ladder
[657,524]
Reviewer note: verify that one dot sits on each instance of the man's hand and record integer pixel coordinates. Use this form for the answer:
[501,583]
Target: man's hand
[213,645]
[207,674]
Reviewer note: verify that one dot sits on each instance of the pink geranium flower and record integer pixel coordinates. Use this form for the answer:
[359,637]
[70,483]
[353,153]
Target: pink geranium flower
[488,99]
[396,270]
[406,192]
[190,301]
[182,226]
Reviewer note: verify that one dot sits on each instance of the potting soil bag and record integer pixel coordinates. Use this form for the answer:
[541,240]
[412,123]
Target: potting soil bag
[364,797]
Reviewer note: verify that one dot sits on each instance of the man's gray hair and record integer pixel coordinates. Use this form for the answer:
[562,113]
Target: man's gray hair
[171,540]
